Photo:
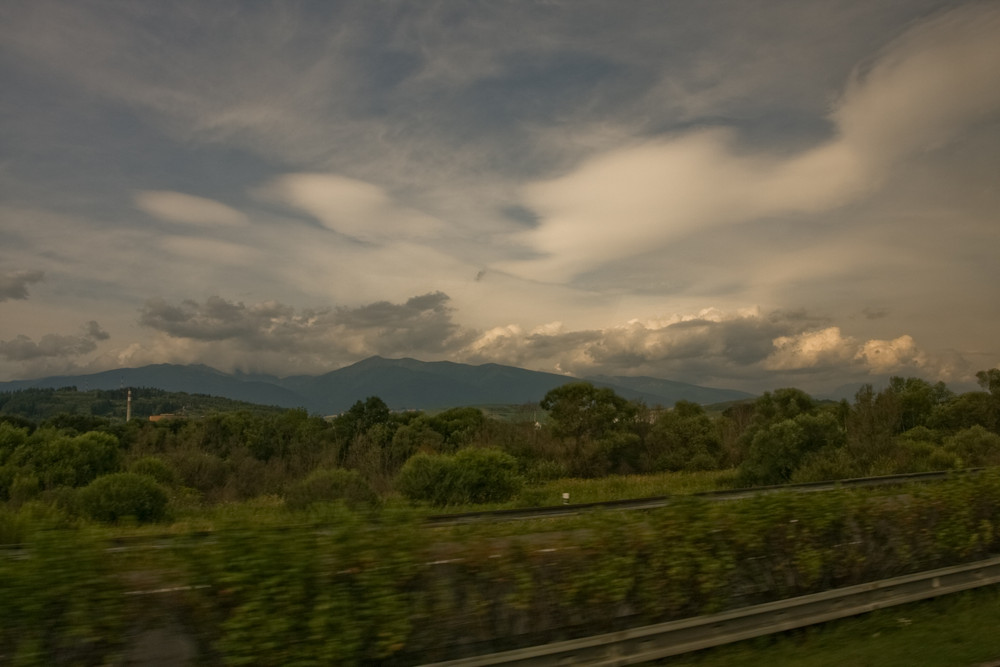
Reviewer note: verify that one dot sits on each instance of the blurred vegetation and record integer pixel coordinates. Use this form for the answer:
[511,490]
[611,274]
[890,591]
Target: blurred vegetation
[331,585]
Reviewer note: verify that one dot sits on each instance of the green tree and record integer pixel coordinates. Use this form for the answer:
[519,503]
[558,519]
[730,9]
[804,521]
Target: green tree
[370,418]
[63,460]
[683,438]
[583,412]
[874,421]
[459,427]
[989,380]
[917,400]
[973,408]
[779,449]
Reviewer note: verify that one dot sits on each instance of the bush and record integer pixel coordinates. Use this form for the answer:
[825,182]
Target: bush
[975,446]
[125,494]
[426,477]
[486,476]
[156,468]
[471,476]
[327,485]
[544,471]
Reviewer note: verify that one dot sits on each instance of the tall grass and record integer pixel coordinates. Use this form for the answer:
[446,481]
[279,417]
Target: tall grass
[622,487]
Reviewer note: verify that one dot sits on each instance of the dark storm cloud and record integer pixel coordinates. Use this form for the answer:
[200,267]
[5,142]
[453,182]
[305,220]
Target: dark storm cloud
[23,348]
[215,319]
[15,285]
[95,331]
[422,323]
[875,313]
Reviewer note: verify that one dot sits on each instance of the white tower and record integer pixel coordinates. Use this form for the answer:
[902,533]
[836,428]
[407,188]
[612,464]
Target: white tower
[128,407]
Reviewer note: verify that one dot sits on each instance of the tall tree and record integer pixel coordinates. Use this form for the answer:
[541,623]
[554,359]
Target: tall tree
[583,412]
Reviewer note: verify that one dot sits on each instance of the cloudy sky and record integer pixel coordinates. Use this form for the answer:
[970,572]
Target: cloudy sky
[747,193]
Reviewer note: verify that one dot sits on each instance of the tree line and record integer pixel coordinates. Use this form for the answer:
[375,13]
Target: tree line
[464,456]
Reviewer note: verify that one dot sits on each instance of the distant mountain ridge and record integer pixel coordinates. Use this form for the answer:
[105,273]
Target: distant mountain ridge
[401,383]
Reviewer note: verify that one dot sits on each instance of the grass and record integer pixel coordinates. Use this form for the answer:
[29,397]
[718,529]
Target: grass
[956,630]
[621,487]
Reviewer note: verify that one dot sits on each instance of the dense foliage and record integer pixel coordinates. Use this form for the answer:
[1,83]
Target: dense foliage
[462,456]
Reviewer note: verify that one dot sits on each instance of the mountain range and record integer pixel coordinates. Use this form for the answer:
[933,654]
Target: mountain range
[401,383]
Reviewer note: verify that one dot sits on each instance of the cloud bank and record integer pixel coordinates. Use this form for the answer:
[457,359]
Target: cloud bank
[730,348]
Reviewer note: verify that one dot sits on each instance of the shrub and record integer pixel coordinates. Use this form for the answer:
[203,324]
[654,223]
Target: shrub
[471,476]
[327,485]
[544,471]
[200,470]
[426,477]
[975,446]
[486,476]
[156,468]
[125,494]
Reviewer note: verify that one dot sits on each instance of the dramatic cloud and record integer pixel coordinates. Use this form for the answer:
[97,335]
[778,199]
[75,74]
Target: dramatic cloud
[812,186]
[726,347]
[422,324]
[921,92]
[188,209]
[15,285]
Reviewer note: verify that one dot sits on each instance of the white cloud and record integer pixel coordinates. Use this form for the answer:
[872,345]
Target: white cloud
[810,349]
[927,86]
[922,91]
[884,356]
[188,209]
[829,348]
[721,347]
[357,209]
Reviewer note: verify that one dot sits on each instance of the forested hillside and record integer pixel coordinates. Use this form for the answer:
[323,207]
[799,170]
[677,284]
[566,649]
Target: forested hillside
[111,404]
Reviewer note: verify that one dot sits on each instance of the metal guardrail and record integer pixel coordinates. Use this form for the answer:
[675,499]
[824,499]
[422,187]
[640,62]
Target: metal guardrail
[652,642]
[661,501]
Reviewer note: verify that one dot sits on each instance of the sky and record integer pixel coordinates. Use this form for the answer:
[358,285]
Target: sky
[748,194]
